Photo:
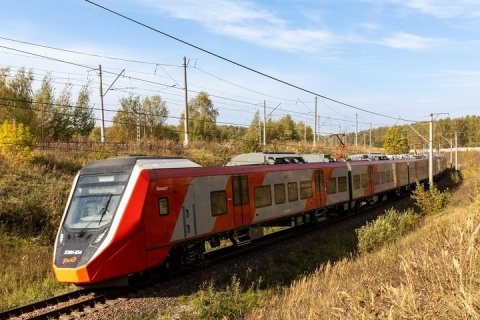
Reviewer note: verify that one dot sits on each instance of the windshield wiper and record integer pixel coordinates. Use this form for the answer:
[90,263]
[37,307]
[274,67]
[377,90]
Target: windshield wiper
[104,209]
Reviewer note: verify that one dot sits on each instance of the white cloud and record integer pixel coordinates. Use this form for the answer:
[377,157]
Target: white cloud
[246,21]
[402,40]
[444,8]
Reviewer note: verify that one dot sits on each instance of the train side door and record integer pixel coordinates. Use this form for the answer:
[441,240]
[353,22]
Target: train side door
[188,213]
[241,207]
[319,188]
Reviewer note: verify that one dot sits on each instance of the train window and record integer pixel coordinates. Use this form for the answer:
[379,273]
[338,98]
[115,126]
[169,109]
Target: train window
[364,180]
[163,206]
[279,190]
[377,177]
[306,191]
[218,200]
[356,181]
[319,180]
[331,185]
[292,191]
[263,196]
[342,184]
[388,176]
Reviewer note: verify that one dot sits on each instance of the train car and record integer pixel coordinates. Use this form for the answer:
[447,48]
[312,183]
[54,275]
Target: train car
[128,215]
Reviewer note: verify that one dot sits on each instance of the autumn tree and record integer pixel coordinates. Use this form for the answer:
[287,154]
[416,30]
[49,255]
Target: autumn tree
[16,97]
[44,109]
[251,139]
[149,115]
[155,115]
[395,140]
[202,117]
[83,119]
[16,142]
[62,125]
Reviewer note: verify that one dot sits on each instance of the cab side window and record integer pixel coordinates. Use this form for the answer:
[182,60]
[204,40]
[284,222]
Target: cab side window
[163,206]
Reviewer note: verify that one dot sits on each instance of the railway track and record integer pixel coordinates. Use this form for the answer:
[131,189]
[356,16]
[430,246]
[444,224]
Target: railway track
[83,302]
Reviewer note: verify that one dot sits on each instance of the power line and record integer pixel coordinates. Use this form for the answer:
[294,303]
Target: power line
[49,58]
[90,54]
[242,65]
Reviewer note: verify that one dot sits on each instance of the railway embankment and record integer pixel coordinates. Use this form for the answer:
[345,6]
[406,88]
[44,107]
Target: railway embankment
[430,273]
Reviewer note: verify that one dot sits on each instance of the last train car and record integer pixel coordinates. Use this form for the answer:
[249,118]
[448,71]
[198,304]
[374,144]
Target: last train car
[101,231]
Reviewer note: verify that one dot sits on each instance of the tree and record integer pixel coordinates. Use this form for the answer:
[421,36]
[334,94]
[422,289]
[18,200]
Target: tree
[395,140]
[251,139]
[62,124]
[202,118]
[16,96]
[16,142]
[149,114]
[125,120]
[44,109]
[304,131]
[83,117]
[155,114]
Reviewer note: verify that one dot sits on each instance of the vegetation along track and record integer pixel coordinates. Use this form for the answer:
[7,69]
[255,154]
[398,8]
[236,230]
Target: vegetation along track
[86,302]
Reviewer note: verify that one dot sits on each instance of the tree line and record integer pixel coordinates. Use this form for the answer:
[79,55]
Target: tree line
[48,116]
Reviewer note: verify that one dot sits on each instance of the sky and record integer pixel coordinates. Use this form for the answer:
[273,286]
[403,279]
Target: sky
[384,61]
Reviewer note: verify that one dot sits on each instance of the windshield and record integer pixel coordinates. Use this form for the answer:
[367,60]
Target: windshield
[95,201]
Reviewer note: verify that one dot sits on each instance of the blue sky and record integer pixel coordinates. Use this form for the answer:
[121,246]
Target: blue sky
[403,59]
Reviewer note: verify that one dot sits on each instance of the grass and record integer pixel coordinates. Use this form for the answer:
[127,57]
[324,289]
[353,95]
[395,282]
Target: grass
[25,271]
[431,273]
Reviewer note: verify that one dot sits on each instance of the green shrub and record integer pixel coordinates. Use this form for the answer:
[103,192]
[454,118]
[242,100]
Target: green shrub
[430,200]
[16,142]
[386,229]
[231,303]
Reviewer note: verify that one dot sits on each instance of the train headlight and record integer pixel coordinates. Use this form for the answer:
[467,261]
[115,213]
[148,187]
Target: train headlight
[60,238]
[99,237]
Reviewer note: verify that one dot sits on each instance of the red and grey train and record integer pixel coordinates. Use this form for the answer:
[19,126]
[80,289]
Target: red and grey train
[131,214]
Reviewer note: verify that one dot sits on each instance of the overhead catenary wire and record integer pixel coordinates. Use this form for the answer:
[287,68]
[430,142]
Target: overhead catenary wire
[244,66]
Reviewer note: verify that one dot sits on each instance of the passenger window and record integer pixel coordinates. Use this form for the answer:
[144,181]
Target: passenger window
[279,193]
[364,180]
[319,180]
[306,191]
[356,181]
[218,200]
[263,196]
[331,185]
[342,184]
[292,191]
[163,206]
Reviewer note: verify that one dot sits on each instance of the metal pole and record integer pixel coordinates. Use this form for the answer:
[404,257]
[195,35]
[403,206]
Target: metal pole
[186,134]
[264,123]
[356,129]
[430,154]
[456,150]
[315,133]
[451,153]
[370,135]
[102,124]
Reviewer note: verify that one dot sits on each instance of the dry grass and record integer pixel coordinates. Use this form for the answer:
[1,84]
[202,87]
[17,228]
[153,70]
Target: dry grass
[25,271]
[432,273]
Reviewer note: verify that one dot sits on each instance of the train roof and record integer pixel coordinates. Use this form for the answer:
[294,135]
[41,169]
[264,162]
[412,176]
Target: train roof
[126,164]
[242,170]
[257,158]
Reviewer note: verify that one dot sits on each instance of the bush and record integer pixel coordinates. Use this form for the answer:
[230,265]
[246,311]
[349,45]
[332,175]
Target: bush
[430,200]
[16,142]
[231,303]
[386,229]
